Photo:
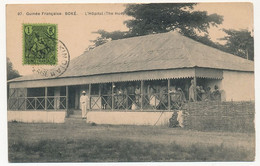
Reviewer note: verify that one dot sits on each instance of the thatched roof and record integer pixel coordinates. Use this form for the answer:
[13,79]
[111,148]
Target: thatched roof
[152,52]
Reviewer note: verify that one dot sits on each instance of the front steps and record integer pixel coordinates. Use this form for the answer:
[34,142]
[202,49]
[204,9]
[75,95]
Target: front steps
[75,118]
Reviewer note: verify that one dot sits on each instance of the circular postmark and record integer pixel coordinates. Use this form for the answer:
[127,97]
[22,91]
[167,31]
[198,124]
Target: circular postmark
[53,71]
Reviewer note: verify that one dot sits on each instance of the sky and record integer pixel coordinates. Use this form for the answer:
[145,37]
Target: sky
[235,15]
[77,31]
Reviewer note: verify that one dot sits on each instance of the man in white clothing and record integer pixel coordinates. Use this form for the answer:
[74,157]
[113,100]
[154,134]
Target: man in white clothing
[84,101]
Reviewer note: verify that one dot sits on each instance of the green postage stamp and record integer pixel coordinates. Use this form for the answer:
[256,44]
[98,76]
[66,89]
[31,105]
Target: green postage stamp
[40,44]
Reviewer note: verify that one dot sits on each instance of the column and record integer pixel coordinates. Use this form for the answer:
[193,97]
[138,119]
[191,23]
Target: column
[25,97]
[35,103]
[67,98]
[125,96]
[99,100]
[169,97]
[113,100]
[89,95]
[77,91]
[45,101]
[17,97]
[99,90]
[195,84]
[57,98]
[142,94]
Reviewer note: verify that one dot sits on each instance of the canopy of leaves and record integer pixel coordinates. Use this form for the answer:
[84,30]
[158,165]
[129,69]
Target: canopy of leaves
[165,17]
[11,73]
[159,18]
[107,36]
[240,43]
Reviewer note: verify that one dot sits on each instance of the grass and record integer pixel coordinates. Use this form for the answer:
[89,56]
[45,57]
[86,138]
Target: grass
[102,143]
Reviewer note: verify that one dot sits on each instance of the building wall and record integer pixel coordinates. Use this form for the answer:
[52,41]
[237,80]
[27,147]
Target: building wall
[238,86]
[129,118]
[36,116]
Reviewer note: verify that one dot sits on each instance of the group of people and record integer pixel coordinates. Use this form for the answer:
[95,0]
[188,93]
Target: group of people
[154,96]
[198,93]
[129,97]
[124,97]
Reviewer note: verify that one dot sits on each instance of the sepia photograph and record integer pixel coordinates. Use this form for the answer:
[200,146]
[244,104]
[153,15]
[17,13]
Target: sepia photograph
[130,82]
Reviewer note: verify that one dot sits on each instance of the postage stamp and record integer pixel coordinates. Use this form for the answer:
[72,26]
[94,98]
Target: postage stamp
[40,44]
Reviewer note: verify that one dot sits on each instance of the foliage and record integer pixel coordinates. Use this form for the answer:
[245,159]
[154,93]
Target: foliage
[207,41]
[11,73]
[107,36]
[240,43]
[159,18]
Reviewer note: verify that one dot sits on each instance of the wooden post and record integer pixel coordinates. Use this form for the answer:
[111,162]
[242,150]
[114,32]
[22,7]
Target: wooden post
[247,54]
[35,103]
[76,98]
[99,90]
[195,87]
[25,97]
[126,95]
[99,95]
[89,95]
[169,97]
[142,93]
[17,103]
[46,94]
[112,95]
[67,98]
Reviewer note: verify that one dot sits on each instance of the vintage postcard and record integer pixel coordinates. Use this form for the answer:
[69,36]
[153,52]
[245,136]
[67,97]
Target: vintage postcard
[153,82]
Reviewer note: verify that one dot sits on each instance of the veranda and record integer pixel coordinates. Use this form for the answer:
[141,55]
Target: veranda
[143,95]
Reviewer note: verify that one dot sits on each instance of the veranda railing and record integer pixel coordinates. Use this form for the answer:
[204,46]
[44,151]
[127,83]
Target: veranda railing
[37,103]
[155,101]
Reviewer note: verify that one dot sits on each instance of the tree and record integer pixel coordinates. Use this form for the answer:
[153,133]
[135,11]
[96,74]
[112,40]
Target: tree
[240,43]
[11,73]
[108,36]
[165,17]
[158,18]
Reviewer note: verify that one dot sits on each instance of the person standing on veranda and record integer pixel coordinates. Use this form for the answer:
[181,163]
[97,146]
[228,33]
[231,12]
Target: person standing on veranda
[84,101]
[192,91]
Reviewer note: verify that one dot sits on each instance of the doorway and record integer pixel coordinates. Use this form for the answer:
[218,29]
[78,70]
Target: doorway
[74,97]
